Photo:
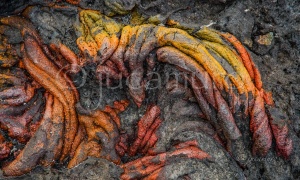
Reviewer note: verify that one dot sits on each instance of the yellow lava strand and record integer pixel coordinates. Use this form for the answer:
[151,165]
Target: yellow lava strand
[234,61]
[192,47]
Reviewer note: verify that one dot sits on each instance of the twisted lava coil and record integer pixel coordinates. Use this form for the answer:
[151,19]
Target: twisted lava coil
[223,77]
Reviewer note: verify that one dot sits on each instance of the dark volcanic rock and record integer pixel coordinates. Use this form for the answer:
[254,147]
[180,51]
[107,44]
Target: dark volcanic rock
[92,168]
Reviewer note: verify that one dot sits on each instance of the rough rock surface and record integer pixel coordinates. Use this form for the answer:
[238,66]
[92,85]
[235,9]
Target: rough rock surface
[278,61]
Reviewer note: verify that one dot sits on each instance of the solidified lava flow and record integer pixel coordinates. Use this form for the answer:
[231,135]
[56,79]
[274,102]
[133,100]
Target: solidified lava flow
[40,104]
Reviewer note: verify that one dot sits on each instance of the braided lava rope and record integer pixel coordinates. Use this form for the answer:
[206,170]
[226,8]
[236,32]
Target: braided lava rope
[223,77]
